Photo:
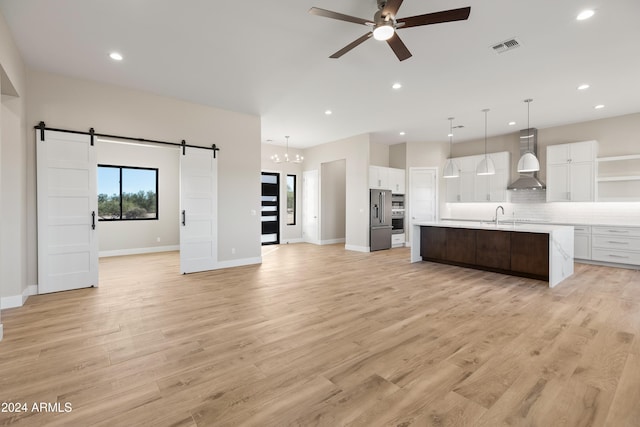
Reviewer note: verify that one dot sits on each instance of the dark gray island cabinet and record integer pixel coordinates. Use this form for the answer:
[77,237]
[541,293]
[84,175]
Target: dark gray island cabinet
[538,252]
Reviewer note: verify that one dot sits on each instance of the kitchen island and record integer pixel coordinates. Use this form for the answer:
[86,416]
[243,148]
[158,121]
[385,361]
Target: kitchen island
[538,251]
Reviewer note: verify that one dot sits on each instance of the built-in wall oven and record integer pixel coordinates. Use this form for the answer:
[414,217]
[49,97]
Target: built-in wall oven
[397,214]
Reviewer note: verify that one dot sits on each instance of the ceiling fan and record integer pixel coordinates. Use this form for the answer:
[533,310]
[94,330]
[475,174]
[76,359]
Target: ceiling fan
[384,24]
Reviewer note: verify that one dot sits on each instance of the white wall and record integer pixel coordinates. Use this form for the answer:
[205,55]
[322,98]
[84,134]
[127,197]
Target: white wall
[13,207]
[398,156]
[379,154]
[68,103]
[288,233]
[333,185]
[355,152]
[126,237]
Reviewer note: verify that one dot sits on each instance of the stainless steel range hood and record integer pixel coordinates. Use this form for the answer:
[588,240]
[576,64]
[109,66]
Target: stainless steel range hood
[528,181]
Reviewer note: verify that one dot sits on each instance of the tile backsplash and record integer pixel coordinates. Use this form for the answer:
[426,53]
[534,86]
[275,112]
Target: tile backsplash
[531,205]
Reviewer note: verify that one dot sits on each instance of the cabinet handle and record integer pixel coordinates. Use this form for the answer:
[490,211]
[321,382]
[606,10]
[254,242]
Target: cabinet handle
[618,243]
[93,220]
[618,231]
[618,256]
[184,218]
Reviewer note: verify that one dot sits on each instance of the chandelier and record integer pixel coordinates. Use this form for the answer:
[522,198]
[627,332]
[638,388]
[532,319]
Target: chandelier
[296,159]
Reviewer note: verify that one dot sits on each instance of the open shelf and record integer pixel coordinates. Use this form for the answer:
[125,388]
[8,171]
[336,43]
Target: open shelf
[618,178]
[619,158]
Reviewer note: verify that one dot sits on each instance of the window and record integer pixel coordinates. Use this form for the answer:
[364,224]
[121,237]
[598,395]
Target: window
[127,193]
[291,200]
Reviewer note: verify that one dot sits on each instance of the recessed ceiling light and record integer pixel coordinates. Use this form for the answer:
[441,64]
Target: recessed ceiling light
[585,14]
[328,112]
[599,106]
[512,123]
[583,87]
[115,56]
[396,86]
[402,133]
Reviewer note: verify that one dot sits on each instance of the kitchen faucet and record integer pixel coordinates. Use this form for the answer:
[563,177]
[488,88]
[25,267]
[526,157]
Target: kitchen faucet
[499,207]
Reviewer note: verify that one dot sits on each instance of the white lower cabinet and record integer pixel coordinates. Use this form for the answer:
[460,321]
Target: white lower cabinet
[616,244]
[582,242]
[397,240]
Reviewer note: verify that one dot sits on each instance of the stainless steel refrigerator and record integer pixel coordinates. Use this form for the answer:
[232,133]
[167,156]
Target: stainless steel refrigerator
[380,220]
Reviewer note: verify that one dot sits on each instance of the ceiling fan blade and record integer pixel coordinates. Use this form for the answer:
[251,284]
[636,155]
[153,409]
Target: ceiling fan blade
[339,16]
[435,18]
[351,45]
[399,48]
[391,7]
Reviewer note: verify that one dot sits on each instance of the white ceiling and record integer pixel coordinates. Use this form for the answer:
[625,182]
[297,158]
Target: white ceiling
[270,58]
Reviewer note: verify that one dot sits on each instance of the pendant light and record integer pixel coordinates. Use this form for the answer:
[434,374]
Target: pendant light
[451,169]
[297,159]
[486,166]
[528,162]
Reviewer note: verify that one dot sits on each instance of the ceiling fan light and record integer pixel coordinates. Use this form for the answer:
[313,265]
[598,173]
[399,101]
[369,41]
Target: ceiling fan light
[451,170]
[486,167]
[383,32]
[528,163]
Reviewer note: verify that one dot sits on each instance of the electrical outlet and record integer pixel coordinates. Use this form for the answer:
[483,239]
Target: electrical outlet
[158,239]
[233,250]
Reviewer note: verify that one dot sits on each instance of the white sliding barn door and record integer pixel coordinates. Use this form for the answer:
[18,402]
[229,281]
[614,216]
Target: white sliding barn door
[198,211]
[67,212]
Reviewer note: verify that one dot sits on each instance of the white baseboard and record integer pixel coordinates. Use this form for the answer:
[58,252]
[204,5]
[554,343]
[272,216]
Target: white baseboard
[138,251]
[238,262]
[298,240]
[1,331]
[356,248]
[313,242]
[14,301]
[331,241]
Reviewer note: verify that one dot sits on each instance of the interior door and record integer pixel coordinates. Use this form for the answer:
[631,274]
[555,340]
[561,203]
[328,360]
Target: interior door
[423,194]
[198,211]
[310,206]
[67,212]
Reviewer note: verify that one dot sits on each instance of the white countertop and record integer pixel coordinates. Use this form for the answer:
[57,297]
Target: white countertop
[520,227]
[533,221]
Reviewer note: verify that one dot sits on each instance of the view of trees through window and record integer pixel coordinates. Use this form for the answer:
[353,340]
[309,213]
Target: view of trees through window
[127,193]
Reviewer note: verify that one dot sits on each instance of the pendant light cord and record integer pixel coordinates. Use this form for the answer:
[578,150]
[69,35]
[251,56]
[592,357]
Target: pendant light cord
[529,134]
[486,110]
[450,135]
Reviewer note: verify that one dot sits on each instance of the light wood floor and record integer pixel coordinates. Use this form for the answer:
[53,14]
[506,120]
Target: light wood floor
[317,335]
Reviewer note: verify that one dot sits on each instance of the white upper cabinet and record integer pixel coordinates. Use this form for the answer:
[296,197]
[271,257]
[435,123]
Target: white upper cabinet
[493,188]
[469,187]
[379,177]
[397,180]
[387,179]
[571,172]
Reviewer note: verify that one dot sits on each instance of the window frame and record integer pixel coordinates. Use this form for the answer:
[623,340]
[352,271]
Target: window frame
[120,168]
[295,210]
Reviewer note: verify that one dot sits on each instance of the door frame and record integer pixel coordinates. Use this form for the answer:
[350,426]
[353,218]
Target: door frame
[277,174]
[305,200]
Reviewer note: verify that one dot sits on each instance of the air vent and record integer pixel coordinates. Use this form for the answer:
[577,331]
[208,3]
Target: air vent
[506,45]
